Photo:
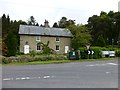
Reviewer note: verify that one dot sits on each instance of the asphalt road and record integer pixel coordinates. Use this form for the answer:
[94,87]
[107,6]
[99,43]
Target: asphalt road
[99,74]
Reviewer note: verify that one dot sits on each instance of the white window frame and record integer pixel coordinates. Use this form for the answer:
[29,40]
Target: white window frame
[57,40]
[38,38]
[56,48]
[37,47]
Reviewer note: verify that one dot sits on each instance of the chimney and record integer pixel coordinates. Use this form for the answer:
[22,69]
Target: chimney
[46,24]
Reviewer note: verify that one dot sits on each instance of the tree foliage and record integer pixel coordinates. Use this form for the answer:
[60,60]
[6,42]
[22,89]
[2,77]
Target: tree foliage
[55,25]
[107,25]
[64,23]
[32,21]
[100,41]
[45,48]
[81,36]
[11,44]
[10,37]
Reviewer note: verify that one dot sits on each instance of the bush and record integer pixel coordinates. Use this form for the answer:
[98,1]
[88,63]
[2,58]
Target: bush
[27,58]
[84,53]
[5,60]
[50,57]
[118,53]
[97,52]
[32,53]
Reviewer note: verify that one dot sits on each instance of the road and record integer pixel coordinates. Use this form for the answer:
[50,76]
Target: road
[99,74]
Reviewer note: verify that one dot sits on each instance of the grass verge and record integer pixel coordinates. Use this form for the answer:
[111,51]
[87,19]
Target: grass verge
[59,61]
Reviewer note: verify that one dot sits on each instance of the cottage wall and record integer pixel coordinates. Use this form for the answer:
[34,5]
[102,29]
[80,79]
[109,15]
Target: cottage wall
[31,41]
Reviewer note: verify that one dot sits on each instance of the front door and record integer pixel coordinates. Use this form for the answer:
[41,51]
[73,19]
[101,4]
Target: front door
[26,49]
[66,49]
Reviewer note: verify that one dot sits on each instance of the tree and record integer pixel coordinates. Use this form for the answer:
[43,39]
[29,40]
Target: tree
[32,21]
[81,36]
[5,25]
[11,44]
[55,25]
[46,49]
[5,30]
[117,26]
[106,25]
[64,23]
[37,24]
[100,41]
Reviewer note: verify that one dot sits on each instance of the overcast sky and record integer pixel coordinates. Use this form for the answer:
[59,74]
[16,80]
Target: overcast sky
[53,10]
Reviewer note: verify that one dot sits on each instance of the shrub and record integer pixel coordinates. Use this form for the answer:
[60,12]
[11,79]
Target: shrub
[49,57]
[97,52]
[96,55]
[83,53]
[118,53]
[32,53]
[5,60]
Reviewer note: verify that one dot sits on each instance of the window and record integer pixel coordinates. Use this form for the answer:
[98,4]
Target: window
[57,47]
[57,39]
[38,38]
[38,47]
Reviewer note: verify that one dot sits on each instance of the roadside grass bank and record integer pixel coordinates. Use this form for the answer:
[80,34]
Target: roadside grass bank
[59,61]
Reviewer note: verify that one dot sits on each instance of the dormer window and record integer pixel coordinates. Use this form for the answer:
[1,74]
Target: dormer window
[57,39]
[38,38]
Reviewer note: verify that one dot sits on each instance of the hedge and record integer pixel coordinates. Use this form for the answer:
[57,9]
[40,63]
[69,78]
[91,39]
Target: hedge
[97,52]
[6,60]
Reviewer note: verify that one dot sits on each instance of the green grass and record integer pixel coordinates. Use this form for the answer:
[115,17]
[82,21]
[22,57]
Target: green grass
[59,61]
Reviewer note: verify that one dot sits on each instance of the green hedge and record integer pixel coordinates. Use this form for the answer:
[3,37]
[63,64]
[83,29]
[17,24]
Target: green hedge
[97,52]
[27,58]
[118,52]
[84,53]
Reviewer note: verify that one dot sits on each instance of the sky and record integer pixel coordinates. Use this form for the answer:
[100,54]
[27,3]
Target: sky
[53,10]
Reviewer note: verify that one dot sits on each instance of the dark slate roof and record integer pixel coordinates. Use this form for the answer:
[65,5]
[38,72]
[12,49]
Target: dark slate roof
[36,30]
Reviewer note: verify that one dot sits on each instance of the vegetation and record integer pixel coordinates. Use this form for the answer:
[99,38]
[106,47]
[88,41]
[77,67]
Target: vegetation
[46,49]
[102,30]
[105,28]
[27,58]
[81,36]
[97,52]
[6,62]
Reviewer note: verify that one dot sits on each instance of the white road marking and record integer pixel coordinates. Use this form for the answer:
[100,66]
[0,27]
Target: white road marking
[23,78]
[96,65]
[107,72]
[46,77]
[112,63]
[26,78]
[90,65]
[52,76]
[38,77]
[7,79]
[18,78]
[102,64]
